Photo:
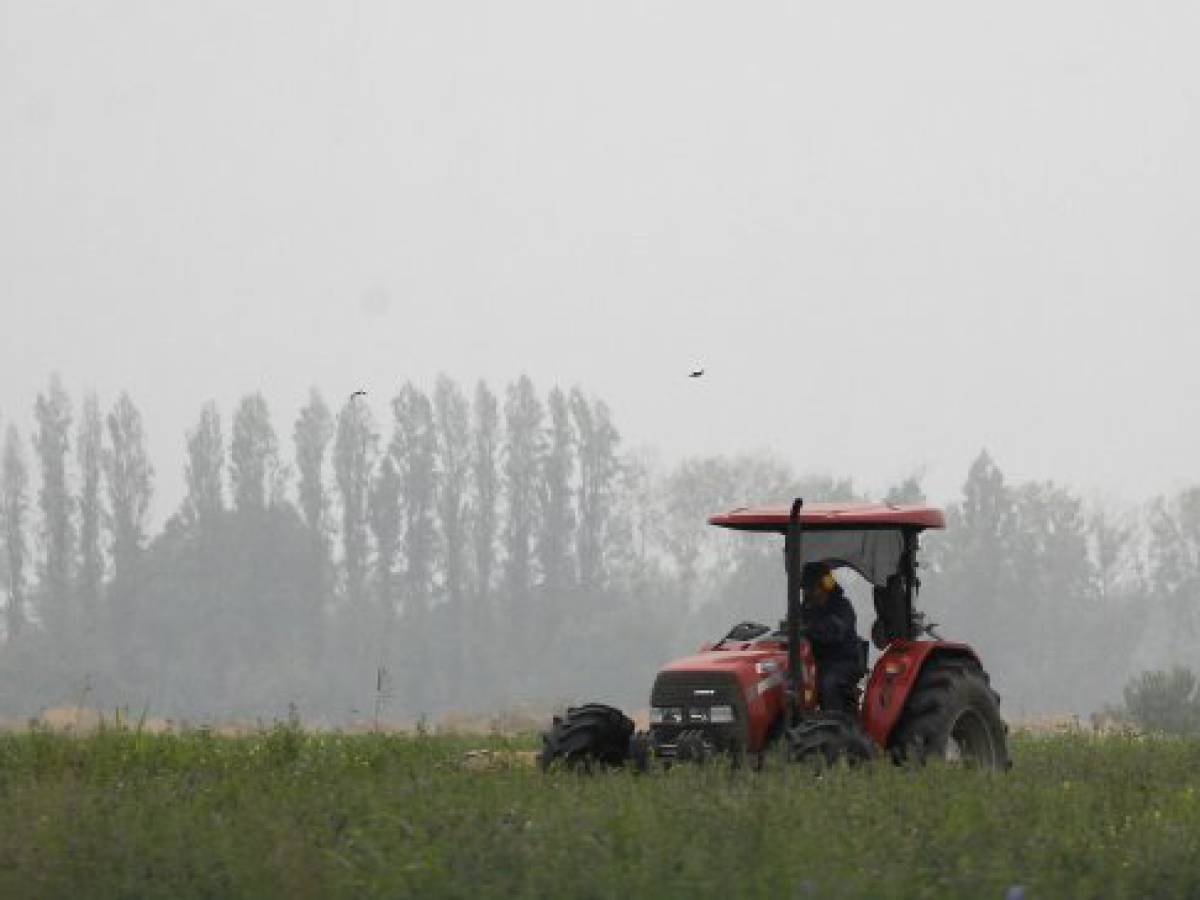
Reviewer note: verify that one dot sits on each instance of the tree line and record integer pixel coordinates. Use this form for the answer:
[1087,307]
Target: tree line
[475,550]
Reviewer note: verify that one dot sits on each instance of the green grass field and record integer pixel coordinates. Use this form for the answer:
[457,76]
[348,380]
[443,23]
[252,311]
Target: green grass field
[289,814]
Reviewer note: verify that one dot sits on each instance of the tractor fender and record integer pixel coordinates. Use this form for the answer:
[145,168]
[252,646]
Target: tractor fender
[893,678]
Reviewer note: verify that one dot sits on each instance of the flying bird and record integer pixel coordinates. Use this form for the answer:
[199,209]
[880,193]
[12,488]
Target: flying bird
[358,394]
[695,373]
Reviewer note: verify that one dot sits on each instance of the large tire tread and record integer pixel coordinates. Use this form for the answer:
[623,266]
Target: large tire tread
[827,738]
[946,690]
[588,735]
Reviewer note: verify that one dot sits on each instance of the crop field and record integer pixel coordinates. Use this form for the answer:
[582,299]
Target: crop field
[285,813]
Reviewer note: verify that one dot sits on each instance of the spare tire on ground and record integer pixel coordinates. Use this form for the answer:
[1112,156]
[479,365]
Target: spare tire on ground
[587,736]
[952,714]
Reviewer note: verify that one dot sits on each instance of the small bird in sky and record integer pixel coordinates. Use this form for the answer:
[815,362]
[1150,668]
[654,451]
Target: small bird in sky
[358,394]
[695,373]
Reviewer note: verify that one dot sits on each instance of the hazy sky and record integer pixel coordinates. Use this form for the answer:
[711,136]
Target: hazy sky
[892,233]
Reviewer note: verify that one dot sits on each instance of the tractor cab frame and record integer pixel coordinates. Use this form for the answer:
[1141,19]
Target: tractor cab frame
[878,541]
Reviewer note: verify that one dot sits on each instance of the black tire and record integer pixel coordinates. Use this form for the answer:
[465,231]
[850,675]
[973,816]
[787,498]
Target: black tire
[952,714]
[589,735]
[824,738]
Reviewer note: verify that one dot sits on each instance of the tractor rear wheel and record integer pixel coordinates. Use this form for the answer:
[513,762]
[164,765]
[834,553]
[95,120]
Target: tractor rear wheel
[586,736]
[954,715]
[823,739]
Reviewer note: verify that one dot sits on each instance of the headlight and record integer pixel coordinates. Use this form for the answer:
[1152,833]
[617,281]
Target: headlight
[665,714]
[720,715]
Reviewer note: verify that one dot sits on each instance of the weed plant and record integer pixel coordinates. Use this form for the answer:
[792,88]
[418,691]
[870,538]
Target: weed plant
[290,814]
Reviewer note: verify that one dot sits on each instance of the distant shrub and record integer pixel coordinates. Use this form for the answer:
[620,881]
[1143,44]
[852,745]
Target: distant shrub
[1165,701]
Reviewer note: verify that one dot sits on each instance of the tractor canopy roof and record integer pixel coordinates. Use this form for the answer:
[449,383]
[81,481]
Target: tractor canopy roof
[868,537]
[826,516]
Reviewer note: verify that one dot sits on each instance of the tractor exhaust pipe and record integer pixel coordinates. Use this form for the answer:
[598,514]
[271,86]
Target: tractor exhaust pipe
[792,558]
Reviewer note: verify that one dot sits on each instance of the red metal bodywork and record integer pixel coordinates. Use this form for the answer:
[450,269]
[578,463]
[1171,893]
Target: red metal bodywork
[892,680]
[761,671]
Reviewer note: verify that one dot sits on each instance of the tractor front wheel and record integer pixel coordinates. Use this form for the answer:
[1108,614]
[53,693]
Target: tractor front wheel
[586,736]
[821,740]
[954,715]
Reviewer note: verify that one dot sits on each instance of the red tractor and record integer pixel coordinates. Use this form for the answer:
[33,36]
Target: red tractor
[756,688]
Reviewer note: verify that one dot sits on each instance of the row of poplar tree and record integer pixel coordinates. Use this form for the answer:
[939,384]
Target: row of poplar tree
[418,557]
[478,551]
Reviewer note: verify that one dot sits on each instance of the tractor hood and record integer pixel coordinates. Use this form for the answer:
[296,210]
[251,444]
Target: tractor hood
[725,660]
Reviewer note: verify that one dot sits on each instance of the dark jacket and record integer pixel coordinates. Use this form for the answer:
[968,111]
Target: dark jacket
[831,628]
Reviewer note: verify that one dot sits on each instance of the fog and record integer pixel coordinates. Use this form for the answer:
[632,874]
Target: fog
[893,237]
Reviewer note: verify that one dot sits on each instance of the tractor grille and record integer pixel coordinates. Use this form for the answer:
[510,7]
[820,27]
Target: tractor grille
[680,690]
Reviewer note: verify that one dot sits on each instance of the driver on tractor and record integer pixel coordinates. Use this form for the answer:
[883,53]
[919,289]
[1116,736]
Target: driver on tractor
[829,623]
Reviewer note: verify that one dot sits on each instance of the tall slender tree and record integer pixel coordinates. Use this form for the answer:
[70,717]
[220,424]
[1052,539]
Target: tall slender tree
[89,445]
[524,446]
[413,452]
[975,557]
[485,490]
[203,473]
[599,469]
[353,462]
[52,441]
[254,466]
[482,526]
[973,579]
[452,425]
[14,506]
[129,476]
[313,432]
[556,511]
[384,512]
